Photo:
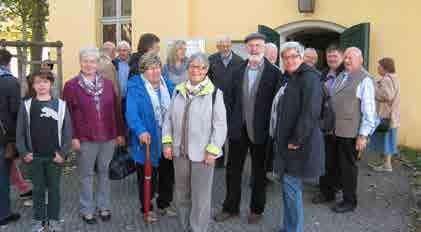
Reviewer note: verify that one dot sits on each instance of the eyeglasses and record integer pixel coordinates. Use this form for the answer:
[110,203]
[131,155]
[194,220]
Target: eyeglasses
[197,67]
[291,57]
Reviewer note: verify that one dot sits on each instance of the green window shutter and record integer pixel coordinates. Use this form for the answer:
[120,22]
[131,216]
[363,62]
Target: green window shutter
[272,36]
[357,36]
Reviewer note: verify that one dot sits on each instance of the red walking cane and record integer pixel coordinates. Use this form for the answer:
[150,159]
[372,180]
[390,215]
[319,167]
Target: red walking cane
[147,184]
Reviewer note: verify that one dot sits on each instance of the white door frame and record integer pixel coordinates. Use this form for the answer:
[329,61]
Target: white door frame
[291,28]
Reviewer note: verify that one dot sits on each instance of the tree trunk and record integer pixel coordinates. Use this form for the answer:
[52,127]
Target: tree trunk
[39,14]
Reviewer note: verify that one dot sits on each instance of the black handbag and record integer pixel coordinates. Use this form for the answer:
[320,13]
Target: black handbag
[384,125]
[122,164]
[3,134]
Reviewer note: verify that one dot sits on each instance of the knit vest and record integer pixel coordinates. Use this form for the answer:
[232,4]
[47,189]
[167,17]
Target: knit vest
[249,100]
[346,105]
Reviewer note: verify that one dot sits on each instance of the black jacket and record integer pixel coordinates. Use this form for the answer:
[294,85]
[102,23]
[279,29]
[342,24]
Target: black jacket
[218,73]
[298,116]
[9,104]
[326,71]
[263,104]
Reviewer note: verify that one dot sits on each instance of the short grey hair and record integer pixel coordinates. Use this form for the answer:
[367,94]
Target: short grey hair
[310,50]
[89,52]
[148,59]
[292,45]
[122,44]
[271,45]
[222,39]
[200,57]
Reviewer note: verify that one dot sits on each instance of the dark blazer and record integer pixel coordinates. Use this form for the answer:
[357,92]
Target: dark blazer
[298,116]
[263,104]
[326,71]
[9,104]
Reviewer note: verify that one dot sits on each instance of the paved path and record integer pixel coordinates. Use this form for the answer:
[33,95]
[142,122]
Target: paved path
[383,207]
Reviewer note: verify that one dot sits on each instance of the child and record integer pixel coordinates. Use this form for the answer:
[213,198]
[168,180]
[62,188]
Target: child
[43,138]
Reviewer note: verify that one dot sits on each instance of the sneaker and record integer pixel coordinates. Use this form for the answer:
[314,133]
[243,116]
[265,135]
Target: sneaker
[152,217]
[89,219]
[105,215]
[28,203]
[26,196]
[382,168]
[55,226]
[169,211]
[37,226]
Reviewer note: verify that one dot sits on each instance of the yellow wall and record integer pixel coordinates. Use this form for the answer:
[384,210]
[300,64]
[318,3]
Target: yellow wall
[393,32]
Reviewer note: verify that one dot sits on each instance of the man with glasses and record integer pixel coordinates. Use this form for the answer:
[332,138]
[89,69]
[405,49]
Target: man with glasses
[252,91]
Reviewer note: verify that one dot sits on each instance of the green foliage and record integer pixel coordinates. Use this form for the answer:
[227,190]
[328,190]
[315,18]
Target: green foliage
[412,155]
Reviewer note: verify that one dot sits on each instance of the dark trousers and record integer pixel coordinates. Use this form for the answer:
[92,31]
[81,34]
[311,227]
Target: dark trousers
[165,183]
[140,170]
[4,185]
[330,181]
[45,175]
[234,170]
[348,157]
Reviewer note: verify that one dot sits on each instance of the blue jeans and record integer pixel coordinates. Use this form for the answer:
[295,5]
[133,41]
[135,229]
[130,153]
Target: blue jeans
[4,185]
[293,204]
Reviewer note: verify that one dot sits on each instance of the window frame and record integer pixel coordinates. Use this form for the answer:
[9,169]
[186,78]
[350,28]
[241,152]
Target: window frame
[118,20]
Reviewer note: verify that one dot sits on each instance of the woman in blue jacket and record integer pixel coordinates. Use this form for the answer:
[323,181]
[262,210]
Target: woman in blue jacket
[148,99]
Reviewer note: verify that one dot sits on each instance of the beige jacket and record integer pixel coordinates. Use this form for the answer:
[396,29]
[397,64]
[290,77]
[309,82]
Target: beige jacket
[387,98]
[107,68]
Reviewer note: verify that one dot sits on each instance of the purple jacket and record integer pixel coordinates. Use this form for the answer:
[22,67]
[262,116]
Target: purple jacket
[88,124]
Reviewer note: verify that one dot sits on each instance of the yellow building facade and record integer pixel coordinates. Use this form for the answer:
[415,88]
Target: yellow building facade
[393,31]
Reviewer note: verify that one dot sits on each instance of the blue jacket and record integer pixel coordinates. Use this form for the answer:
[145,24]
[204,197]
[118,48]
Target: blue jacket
[140,118]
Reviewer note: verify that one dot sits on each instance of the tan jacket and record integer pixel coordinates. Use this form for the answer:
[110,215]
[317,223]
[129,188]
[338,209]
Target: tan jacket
[107,68]
[387,98]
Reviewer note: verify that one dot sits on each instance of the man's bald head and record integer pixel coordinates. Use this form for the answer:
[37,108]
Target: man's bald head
[353,59]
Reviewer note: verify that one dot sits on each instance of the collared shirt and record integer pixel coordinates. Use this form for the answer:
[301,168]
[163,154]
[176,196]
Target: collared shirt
[123,76]
[252,74]
[330,81]
[226,59]
[366,93]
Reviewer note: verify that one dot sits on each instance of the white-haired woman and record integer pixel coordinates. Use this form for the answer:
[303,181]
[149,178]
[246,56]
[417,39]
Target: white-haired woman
[176,67]
[97,123]
[296,132]
[194,131]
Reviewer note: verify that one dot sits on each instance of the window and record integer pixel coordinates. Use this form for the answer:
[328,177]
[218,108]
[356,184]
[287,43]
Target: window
[116,20]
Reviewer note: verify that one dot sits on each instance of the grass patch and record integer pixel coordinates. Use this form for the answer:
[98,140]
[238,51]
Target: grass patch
[412,155]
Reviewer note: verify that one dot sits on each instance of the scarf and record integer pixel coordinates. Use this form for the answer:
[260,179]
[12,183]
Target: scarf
[4,71]
[193,90]
[94,89]
[160,104]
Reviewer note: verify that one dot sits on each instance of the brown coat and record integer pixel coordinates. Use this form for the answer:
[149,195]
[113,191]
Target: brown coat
[107,68]
[387,98]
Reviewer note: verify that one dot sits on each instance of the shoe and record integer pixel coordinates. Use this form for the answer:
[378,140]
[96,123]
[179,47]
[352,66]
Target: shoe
[37,226]
[321,199]
[382,168]
[152,217]
[344,207]
[26,196]
[254,218]
[28,203]
[105,215]
[55,226]
[224,216]
[169,211]
[11,218]
[89,219]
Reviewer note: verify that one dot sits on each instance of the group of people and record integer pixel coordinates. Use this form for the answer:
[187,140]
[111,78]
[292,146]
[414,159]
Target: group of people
[191,112]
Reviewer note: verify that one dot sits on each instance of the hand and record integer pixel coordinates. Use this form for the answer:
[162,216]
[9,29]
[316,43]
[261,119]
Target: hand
[28,158]
[58,158]
[168,152]
[292,147]
[75,144]
[145,138]
[209,159]
[120,141]
[361,143]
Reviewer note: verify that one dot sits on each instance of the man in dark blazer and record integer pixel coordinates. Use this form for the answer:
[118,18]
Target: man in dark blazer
[222,63]
[252,91]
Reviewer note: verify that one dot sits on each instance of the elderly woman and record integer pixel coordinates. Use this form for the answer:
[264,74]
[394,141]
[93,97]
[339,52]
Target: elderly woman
[97,126]
[148,100]
[387,105]
[176,67]
[194,131]
[297,136]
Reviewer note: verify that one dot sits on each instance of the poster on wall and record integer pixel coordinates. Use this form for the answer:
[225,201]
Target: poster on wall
[193,46]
